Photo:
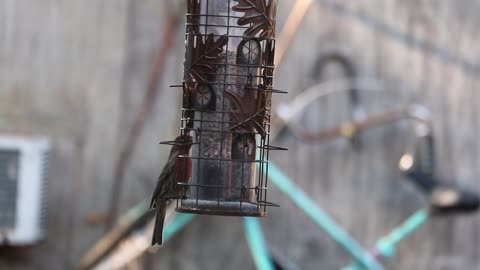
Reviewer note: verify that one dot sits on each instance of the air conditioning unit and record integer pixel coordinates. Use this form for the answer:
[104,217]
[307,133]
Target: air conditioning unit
[23,178]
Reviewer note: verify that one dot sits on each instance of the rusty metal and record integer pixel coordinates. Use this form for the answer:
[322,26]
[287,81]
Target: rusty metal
[201,60]
[259,15]
[287,113]
[351,128]
[227,88]
[350,72]
[250,111]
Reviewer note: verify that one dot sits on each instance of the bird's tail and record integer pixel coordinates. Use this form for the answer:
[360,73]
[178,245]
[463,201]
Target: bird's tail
[161,210]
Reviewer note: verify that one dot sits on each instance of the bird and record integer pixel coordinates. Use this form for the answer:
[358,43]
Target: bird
[177,169]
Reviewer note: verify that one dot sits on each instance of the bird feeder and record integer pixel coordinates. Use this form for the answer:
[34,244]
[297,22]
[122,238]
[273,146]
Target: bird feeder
[227,90]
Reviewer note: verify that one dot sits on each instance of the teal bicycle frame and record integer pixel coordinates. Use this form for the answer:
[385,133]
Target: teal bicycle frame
[386,246]
[364,259]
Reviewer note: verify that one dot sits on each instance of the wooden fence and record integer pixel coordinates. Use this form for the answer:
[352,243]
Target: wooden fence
[76,71]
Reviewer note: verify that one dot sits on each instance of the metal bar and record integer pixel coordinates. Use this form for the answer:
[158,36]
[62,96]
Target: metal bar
[256,242]
[226,159]
[349,129]
[325,222]
[217,25]
[218,131]
[212,15]
[386,246]
[218,186]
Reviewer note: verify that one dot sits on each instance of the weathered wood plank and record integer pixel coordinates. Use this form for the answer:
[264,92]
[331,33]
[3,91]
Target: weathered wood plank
[61,64]
[77,70]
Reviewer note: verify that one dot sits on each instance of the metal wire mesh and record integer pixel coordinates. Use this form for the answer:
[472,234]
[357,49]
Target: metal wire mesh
[227,89]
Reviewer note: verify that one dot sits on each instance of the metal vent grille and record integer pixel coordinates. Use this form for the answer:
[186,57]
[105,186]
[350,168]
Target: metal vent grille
[43,192]
[9,166]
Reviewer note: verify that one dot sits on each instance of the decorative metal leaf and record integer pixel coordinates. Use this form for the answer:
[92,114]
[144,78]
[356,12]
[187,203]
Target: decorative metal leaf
[260,16]
[250,111]
[193,16]
[201,61]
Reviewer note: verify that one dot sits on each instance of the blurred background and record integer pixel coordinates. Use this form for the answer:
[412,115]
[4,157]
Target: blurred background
[77,72]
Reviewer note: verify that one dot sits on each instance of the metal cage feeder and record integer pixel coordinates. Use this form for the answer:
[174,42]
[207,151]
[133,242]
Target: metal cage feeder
[227,90]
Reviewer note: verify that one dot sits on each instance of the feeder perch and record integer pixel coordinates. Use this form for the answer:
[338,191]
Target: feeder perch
[227,90]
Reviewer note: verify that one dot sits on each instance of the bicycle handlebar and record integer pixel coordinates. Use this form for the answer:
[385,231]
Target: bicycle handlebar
[445,198]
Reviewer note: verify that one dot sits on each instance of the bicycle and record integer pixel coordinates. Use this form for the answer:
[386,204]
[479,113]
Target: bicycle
[417,165]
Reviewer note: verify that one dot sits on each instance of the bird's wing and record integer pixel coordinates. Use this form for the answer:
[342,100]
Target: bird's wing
[167,172]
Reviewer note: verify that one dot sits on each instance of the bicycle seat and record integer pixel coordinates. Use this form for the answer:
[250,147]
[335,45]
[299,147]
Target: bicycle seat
[444,197]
